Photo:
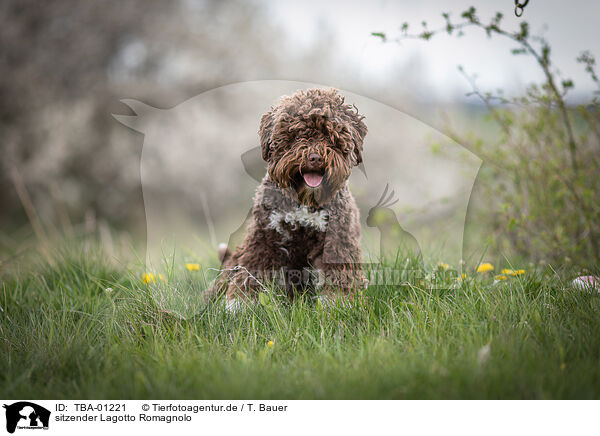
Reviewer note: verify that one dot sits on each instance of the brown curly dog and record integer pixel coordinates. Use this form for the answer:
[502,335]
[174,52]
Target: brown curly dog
[305,230]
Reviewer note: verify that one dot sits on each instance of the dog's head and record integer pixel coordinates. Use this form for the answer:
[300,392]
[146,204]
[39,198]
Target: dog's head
[310,141]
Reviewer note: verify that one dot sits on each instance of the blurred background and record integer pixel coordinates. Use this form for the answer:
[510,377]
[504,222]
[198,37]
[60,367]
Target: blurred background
[68,166]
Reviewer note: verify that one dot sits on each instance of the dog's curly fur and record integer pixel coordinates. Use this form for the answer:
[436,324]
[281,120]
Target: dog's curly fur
[297,230]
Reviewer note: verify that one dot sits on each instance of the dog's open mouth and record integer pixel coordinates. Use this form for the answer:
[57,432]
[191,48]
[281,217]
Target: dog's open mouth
[313,179]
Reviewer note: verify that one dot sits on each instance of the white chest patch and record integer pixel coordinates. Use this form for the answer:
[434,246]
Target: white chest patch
[300,216]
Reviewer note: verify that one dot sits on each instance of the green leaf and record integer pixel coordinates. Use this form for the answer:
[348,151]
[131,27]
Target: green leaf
[568,83]
[379,35]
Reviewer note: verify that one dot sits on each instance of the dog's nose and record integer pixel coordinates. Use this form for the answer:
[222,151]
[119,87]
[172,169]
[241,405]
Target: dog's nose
[315,159]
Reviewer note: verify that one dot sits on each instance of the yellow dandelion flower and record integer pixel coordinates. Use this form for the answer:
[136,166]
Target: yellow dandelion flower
[160,276]
[513,272]
[485,267]
[461,278]
[500,277]
[443,265]
[148,278]
[270,344]
[192,266]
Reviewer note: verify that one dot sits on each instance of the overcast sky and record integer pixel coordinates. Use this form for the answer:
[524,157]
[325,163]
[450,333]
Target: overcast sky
[570,27]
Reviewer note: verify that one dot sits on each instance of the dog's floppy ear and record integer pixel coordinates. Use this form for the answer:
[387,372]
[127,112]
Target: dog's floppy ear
[358,135]
[265,131]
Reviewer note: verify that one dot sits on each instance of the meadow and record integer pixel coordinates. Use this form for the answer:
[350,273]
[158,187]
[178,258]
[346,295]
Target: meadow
[82,317]
[78,323]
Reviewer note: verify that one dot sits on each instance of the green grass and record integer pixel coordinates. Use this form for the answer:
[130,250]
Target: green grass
[63,336]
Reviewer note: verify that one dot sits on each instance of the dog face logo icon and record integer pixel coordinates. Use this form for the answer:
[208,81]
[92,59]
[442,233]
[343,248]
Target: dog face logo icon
[26,415]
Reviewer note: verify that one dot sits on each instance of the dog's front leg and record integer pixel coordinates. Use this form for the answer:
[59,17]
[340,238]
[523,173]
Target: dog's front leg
[340,260]
[256,264]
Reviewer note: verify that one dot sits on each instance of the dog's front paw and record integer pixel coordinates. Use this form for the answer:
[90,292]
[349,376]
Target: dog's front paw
[233,305]
[347,281]
[324,301]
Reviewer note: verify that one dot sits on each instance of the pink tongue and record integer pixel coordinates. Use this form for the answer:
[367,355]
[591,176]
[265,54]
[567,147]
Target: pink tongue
[313,179]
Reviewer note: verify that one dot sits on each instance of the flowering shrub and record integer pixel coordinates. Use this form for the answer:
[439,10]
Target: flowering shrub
[542,190]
